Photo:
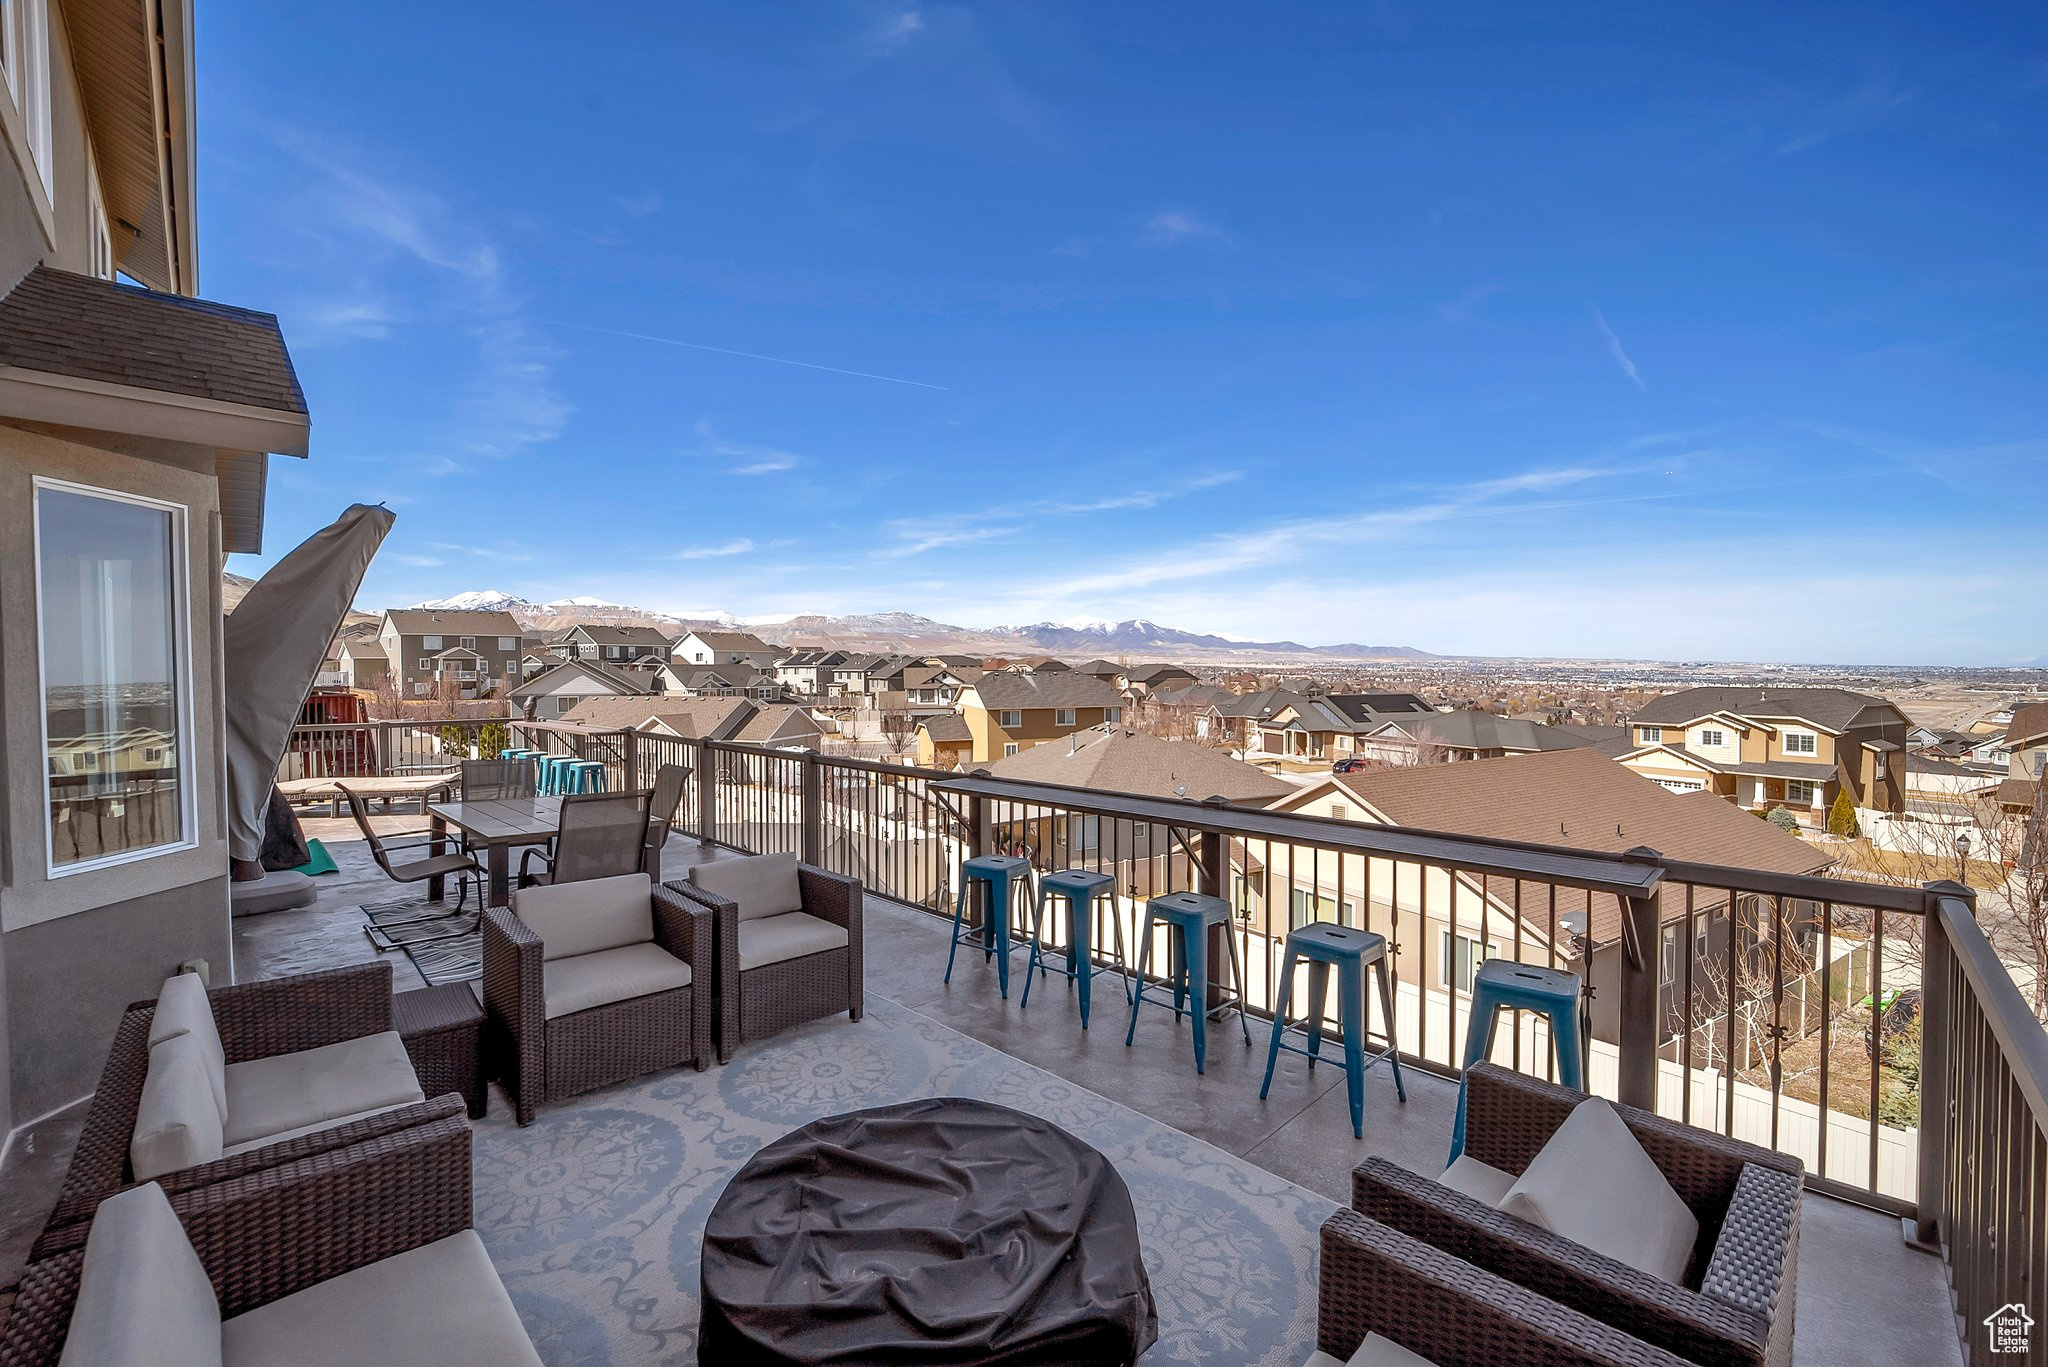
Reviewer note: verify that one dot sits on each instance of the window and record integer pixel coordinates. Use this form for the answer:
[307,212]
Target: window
[1116,714]
[1009,721]
[1650,735]
[426,664]
[1340,812]
[511,669]
[1462,955]
[430,643]
[1711,738]
[1009,749]
[100,258]
[1667,955]
[466,642]
[26,58]
[2040,762]
[1881,765]
[1305,906]
[1063,716]
[110,608]
[1801,743]
[508,643]
[419,690]
[1799,792]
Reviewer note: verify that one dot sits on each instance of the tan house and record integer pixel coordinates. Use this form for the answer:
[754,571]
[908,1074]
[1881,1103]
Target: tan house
[1006,713]
[944,742]
[362,663]
[439,653]
[2026,737]
[136,426]
[1775,747]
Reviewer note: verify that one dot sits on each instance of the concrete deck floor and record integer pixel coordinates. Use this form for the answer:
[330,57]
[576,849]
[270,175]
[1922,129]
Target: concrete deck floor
[1863,1296]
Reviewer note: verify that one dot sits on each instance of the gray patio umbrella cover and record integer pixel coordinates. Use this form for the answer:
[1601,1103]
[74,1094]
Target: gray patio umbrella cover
[272,646]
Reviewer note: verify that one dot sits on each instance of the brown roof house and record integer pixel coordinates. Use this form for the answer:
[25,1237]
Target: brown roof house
[1576,798]
[708,647]
[944,742]
[440,653]
[1115,759]
[1007,713]
[553,694]
[2026,737]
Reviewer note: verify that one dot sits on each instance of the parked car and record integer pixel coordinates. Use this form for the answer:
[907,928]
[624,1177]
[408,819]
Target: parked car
[1345,766]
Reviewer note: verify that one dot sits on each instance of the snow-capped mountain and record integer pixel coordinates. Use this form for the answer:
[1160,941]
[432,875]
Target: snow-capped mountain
[481,600]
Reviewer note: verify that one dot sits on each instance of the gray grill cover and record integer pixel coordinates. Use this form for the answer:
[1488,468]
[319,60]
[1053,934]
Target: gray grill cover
[938,1231]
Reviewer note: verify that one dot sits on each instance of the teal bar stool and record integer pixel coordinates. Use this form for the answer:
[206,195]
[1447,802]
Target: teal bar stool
[1322,944]
[584,776]
[1187,917]
[554,774]
[993,874]
[1080,888]
[1503,984]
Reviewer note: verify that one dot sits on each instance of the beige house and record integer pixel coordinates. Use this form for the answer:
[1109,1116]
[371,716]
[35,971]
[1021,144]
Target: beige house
[723,648]
[1116,759]
[553,694]
[2026,737]
[944,742]
[1007,713]
[136,426]
[438,653]
[362,663]
[1775,747]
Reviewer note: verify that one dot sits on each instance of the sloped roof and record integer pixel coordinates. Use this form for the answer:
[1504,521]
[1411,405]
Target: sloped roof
[1484,731]
[1258,706]
[1146,673]
[617,681]
[773,720]
[729,640]
[617,713]
[62,323]
[1018,691]
[700,718]
[946,728]
[1365,706]
[620,636]
[449,622]
[2028,724]
[1118,760]
[1831,709]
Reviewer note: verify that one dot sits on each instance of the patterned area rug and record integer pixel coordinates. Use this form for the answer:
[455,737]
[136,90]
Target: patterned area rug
[594,1214]
[444,945]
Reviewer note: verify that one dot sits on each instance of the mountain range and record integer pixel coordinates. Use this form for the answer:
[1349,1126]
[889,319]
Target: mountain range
[910,631]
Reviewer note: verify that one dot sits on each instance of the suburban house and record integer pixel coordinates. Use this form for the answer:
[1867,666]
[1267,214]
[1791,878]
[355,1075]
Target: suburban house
[1109,671]
[2026,737]
[554,693]
[610,645]
[1575,798]
[1774,747]
[863,675]
[929,685]
[740,720]
[439,653]
[1116,759]
[137,422]
[1138,680]
[944,742]
[731,680]
[1446,736]
[708,647]
[361,662]
[1008,712]
[1301,731]
[808,672]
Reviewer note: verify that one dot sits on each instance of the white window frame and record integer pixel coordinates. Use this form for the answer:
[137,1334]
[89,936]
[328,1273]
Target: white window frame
[1063,716]
[26,61]
[1713,737]
[1009,719]
[508,643]
[1488,949]
[465,642]
[1809,742]
[1651,735]
[1009,748]
[180,585]
[1811,785]
[430,642]
[1116,714]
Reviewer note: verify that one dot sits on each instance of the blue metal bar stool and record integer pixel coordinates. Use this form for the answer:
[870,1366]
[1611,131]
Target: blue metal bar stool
[584,776]
[1188,916]
[993,873]
[1504,984]
[1324,943]
[1080,888]
[554,774]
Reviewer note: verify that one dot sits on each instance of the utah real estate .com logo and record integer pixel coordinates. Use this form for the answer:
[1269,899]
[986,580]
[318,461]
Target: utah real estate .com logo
[2011,1328]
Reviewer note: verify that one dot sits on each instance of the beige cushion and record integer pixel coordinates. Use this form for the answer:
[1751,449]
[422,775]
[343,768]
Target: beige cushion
[1593,1184]
[581,918]
[788,936]
[764,885]
[609,975]
[177,1124]
[1486,1185]
[294,1092]
[262,1139]
[182,1009]
[1373,1352]
[440,1303]
[143,1296]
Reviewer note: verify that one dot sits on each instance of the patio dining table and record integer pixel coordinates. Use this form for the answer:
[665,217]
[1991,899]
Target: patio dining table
[497,827]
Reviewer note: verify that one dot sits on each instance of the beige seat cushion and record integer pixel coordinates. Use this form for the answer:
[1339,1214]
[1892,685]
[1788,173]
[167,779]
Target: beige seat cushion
[177,1124]
[294,1092]
[440,1303]
[609,975]
[1373,1352]
[182,1009]
[581,918]
[143,1296]
[791,935]
[317,1125]
[1593,1184]
[763,885]
[1486,1185]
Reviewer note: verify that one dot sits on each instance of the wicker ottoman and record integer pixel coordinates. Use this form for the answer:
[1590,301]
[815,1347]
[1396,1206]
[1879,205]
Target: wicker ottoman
[443,1028]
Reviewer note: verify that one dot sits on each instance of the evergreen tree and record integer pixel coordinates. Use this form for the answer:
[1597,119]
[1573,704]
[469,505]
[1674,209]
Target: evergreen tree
[1842,817]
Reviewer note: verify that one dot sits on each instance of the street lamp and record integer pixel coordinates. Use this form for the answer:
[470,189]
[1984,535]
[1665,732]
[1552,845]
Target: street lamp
[1963,858]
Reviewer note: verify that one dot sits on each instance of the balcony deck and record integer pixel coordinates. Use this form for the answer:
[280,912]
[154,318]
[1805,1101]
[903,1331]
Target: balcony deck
[1863,1295]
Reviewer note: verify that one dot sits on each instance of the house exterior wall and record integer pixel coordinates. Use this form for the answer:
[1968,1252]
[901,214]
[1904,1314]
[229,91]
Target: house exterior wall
[405,653]
[1036,725]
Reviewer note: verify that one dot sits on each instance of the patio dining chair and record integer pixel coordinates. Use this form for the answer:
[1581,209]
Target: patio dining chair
[411,869]
[661,813]
[491,780]
[601,835]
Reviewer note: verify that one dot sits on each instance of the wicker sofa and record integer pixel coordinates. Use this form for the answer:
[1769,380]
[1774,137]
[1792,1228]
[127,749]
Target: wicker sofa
[788,942]
[1377,1281]
[591,983]
[1734,1306]
[359,1255]
[269,1020]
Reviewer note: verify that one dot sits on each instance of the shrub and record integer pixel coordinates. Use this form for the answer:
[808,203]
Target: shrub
[1842,817]
[492,737]
[1783,819]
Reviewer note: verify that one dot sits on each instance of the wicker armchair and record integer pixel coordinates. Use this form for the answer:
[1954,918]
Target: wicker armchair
[542,1055]
[759,1001]
[255,1020]
[1735,1306]
[266,1234]
[1378,1281]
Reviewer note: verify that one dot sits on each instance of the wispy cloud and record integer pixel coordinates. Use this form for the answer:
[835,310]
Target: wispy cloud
[739,547]
[1621,359]
[418,562]
[1868,105]
[916,536]
[746,458]
[640,206]
[744,355]
[916,540]
[1171,227]
[340,320]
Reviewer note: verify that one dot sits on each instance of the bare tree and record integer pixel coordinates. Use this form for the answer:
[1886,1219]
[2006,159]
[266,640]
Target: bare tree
[898,726]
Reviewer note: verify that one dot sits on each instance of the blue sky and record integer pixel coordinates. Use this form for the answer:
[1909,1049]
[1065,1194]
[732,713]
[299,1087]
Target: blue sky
[1665,331]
